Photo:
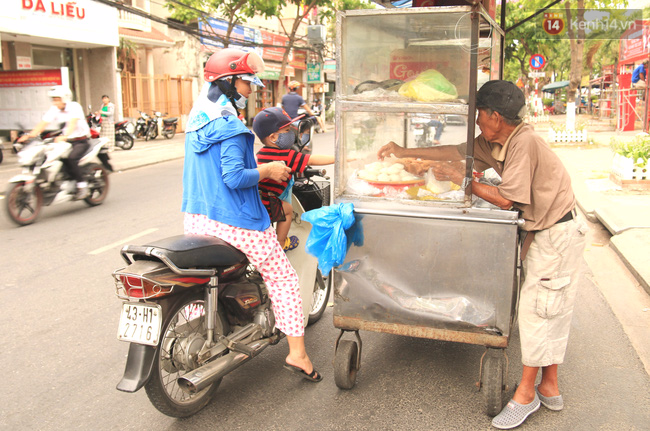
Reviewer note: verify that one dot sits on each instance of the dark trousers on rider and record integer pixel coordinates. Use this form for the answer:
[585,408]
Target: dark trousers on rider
[79,148]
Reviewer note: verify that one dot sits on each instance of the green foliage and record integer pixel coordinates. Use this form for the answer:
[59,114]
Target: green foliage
[547,101]
[125,50]
[526,40]
[637,149]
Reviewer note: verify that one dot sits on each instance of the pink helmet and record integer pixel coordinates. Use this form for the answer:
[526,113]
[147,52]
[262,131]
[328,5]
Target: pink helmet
[230,62]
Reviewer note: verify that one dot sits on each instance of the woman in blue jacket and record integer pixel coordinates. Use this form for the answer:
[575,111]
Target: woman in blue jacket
[220,193]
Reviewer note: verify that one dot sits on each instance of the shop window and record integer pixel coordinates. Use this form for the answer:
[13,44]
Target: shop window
[47,58]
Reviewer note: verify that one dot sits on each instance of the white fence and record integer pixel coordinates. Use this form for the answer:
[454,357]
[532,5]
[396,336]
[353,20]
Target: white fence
[567,136]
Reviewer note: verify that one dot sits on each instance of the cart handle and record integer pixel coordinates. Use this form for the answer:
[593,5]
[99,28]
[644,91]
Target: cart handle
[518,222]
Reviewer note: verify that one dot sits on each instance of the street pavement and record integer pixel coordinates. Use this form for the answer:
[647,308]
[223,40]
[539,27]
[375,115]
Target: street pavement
[624,213]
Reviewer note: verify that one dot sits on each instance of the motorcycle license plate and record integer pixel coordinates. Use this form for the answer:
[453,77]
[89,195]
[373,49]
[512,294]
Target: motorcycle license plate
[140,323]
[418,131]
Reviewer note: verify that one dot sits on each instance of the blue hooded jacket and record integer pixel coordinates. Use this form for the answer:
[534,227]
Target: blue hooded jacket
[220,175]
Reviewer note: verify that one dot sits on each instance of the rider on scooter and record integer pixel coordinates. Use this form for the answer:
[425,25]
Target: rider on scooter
[220,192]
[75,131]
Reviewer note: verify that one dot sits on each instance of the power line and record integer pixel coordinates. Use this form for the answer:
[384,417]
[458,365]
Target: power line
[195,32]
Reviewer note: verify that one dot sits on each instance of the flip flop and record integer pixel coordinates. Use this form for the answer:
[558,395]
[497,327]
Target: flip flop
[290,243]
[314,376]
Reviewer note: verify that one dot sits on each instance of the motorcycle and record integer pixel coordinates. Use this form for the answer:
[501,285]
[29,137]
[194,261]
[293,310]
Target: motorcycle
[45,180]
[194,310]
[168,126]
[142,125]
[424,132]
[123,139]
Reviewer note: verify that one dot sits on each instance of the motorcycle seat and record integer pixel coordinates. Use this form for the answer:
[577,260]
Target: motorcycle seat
[121,124]
[198,251]
[170,120]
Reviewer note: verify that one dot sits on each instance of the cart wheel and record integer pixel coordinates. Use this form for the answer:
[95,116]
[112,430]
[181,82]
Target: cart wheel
[493,383]
[345,364]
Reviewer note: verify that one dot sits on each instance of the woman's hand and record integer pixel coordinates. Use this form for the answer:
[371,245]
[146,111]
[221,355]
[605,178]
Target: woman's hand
[276,171]
[388,149]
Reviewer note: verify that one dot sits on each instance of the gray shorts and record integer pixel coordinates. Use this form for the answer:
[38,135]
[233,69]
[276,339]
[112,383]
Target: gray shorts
[552,269]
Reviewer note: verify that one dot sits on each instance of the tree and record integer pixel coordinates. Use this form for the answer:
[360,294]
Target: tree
[233,11]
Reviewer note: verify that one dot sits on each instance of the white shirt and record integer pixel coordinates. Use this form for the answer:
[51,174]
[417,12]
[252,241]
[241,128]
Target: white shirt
[70,111]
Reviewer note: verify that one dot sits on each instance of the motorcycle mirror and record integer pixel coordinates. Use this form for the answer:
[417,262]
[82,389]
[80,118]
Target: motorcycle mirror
[305,130]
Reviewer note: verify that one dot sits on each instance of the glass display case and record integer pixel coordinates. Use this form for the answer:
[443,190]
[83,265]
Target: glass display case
[409,76]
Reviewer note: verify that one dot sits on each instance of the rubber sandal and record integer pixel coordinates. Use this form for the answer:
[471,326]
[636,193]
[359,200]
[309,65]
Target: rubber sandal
[290,243]
[314,376]
[514,414]
[555,403]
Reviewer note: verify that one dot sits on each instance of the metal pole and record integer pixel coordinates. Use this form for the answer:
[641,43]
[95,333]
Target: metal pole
[471,109]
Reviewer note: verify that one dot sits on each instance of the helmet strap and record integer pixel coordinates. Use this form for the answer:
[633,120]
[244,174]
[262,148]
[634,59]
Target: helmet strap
[228,88]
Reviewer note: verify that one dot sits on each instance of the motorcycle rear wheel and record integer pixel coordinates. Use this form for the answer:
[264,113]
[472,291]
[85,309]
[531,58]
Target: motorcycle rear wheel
[126,139]
[169,133]
[183,333]
[23,207]
[98,184]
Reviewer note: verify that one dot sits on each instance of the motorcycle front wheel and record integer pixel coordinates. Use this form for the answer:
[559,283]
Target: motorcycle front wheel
[322,287]
[152,133]
[23,206]
[183,335]
[97,177]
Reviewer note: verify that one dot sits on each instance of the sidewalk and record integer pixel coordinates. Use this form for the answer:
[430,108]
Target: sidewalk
[624,213]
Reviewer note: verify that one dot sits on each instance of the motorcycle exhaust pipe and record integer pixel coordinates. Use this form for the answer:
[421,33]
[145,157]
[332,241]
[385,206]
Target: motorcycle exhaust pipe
[204,376]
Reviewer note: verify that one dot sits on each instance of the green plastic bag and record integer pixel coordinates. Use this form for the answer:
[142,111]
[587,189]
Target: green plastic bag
[429,86]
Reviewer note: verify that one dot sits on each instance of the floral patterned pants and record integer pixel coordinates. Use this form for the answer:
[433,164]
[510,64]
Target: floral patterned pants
[265,253]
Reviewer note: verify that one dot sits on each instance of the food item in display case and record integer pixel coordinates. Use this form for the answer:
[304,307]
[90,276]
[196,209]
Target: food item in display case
[429,86]
[388,173]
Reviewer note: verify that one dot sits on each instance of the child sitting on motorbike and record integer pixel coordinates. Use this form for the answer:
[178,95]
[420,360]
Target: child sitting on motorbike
[273,126]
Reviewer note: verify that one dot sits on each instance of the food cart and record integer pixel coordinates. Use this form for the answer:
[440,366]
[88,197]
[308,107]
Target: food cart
[434,262]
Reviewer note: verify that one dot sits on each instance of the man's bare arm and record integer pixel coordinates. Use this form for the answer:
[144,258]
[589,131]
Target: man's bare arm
[491,194]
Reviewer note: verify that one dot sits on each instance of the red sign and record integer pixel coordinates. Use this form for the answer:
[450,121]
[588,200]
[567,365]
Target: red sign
[69,9]
[274,53]
[299,60]
[537,61]
[30,78]
[407,64]
[553,23]
[635,42]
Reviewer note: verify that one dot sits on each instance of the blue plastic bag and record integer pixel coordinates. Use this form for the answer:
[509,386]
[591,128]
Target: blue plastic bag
[328,239]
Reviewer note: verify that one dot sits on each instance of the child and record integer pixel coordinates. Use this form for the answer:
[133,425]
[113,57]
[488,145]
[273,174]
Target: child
[274,128]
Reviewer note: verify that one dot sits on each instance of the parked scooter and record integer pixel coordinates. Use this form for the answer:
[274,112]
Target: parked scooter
[168,126]
[195,309]
[46,181]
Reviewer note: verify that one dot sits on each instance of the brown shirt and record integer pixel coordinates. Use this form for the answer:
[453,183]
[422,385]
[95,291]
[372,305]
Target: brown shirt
[533,177]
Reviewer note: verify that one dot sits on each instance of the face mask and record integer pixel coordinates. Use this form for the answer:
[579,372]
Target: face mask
[240,102]
[285,140]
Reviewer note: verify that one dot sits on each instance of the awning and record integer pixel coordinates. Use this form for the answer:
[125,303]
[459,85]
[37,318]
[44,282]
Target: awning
[550,88]
[147,38]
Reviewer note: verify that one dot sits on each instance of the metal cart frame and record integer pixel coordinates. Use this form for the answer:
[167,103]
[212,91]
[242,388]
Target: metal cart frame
[450,290]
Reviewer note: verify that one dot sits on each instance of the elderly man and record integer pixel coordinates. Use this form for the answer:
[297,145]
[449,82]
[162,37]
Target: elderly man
[535,182]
